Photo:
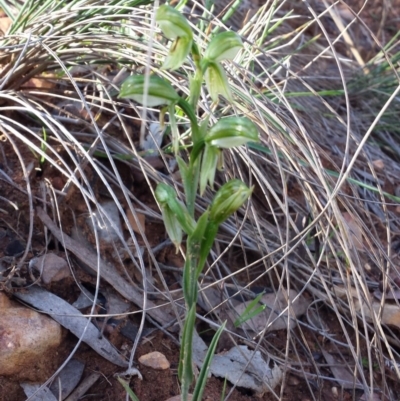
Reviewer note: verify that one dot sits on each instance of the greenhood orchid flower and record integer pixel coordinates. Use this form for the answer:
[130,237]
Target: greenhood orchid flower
[227,133]
[229,198]
[209,164]
[175,27]
[217,82]
[223,46]
[166,197]
[230,132]
[160,92]
[172,226]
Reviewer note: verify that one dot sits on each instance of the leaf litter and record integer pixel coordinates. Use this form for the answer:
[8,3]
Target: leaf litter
[325,277]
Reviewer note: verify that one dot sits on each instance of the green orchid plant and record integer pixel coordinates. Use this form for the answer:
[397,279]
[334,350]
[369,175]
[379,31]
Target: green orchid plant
[205,157]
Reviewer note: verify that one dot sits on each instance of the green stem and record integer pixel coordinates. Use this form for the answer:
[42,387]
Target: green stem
[206,245]
[196,151]
[197,80]
[191,179]
[189,111]
[195,88]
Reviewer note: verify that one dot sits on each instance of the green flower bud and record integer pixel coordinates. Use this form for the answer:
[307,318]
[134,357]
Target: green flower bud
[166,196]
[172,226]
[217,83]
[175,27]
[233,131]
[208,167]
[177,53]
[223,46]
[164,193]
[172,23]
[229,198]
[159,91]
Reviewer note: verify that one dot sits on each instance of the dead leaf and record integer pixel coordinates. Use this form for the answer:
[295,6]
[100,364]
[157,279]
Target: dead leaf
[107,222]
[83,387]
[153,139]
[108,272]
[240,366]
[51,267]
[341,372]
[390,314]
[390,295]
[35,393]
[140,218]
[73,320]
[355,232]
[272,316]
[69,378]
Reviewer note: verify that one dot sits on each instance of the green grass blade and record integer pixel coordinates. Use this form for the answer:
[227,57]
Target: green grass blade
[252,309]
[194,244]
[126,387]
[4,6]
[202,379]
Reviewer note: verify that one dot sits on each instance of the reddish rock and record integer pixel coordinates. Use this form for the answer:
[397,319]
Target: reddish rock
[28,341]
[155,360]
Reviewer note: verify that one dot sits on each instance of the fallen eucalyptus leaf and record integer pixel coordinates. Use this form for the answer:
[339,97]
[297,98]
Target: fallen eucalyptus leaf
[83,387]
[240,366]
[69,378]
[108,272]
[34,394]
[272,317]
[107,222]
[51,267]
[69,317]
[341,372]
[154,139]
[390,295]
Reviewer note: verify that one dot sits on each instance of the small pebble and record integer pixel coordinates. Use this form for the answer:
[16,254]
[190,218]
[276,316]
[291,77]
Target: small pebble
[293,381]
[155,360]
[51,267]
[379,164]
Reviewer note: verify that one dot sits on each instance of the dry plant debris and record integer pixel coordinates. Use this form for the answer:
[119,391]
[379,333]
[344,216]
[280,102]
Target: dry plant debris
[320,79]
